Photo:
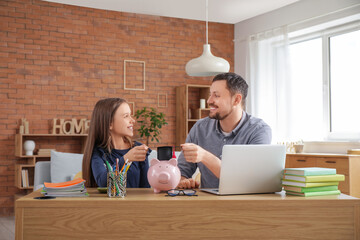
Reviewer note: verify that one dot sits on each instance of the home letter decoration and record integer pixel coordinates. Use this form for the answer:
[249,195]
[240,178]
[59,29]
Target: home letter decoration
[55,126]
[71,126]
[79,128]
[86,127]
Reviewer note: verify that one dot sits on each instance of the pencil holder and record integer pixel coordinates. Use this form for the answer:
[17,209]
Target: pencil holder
[116,184]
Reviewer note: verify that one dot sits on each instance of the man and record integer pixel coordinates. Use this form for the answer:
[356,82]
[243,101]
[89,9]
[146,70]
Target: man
[227,123]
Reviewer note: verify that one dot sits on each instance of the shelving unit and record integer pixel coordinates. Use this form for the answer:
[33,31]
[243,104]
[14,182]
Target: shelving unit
[188,110]
[28,162]
[18,175]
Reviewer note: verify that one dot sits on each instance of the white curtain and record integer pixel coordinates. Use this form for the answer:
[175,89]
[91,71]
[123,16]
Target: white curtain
[268,73]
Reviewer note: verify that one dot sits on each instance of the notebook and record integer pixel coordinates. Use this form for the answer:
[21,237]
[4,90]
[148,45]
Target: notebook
[248,169]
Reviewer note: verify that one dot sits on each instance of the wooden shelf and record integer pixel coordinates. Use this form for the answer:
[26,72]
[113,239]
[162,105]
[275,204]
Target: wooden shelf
[188,110]
[19,139]
[34,156]
[53,135]
[18,175]
[27,188]
[31,159]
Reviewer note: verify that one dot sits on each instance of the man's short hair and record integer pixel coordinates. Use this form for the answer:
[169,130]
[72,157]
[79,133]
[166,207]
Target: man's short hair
[235,83]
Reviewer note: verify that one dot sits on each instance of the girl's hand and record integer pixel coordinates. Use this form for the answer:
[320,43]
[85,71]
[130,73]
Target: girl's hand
[137,154]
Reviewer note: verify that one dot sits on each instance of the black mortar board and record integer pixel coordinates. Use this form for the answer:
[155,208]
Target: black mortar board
[164,153]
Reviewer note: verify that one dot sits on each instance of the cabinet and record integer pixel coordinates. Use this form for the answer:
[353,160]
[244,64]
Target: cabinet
[349,165]
[60,142]
[188,110]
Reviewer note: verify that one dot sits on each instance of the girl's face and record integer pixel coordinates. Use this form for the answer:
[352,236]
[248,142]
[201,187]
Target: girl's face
[123,123]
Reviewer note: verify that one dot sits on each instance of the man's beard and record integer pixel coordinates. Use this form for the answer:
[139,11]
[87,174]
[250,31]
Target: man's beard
[217,116]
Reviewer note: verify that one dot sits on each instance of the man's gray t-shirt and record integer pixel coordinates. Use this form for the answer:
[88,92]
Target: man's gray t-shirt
[207,134]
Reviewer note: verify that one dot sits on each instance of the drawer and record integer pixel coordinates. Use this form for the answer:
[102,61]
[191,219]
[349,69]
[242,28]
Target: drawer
[299,162]
[344,185]
[341,164]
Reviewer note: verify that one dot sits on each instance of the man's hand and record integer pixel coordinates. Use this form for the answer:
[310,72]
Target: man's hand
[137,154]
[193,153]
[186,183]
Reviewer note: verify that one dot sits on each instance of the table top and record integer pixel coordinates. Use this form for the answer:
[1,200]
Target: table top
[147,194]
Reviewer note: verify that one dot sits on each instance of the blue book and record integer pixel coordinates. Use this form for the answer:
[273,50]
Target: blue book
[310,171]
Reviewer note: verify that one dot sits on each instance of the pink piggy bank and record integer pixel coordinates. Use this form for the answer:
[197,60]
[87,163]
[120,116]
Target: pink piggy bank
[163,175]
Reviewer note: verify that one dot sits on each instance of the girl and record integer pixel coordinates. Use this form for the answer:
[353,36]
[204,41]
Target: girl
[109,138]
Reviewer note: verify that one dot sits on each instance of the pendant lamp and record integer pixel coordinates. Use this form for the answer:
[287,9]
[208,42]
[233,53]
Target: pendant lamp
[207,64]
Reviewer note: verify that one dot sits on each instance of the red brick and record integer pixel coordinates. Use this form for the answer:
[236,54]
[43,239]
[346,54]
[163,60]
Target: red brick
[59,60]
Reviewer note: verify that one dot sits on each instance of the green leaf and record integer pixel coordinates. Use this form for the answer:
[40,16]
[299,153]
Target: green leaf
[150,122]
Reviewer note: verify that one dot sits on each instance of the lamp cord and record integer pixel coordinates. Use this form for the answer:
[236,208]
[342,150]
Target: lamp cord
[207,35]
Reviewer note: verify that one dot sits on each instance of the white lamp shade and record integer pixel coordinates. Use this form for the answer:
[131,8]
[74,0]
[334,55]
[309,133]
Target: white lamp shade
[207,64]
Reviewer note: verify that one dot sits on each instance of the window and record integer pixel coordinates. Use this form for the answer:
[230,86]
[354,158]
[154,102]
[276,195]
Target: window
[345,82]
[306,100]
[325,85]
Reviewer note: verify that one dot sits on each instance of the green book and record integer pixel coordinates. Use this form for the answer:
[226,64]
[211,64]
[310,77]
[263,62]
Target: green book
[310,171]
[308,184]
[320,178]
[310,194]
[310,189]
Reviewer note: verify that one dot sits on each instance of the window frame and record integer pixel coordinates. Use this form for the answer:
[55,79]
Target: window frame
[325,35]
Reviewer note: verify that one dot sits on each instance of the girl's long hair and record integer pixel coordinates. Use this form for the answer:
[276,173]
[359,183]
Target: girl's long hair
[99,134]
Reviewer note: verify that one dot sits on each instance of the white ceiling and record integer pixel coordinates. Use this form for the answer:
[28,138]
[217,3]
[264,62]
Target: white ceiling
[223,11]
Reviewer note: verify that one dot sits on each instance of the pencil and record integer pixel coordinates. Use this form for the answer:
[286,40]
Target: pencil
[124,165]
[128,167]
[117,166]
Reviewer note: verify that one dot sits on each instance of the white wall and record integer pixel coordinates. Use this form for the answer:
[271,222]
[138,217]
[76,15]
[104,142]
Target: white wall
[304,13]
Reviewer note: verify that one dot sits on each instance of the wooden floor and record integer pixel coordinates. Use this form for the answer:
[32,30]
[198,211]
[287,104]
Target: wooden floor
[7,228]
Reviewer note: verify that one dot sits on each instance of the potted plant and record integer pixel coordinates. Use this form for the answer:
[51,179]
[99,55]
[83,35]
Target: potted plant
[150,123]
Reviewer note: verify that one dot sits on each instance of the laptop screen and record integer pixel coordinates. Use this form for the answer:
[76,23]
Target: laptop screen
[251,169]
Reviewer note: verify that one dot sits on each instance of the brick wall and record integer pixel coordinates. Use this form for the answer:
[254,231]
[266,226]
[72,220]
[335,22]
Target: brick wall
[57,61]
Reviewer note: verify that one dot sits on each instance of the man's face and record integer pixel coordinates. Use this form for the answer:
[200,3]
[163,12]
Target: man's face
[220,100]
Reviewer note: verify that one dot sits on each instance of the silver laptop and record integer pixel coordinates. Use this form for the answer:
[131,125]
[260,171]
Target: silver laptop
[247,169]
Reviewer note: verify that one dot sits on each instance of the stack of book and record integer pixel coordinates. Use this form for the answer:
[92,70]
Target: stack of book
[74,188]
[312,181]
[45,152]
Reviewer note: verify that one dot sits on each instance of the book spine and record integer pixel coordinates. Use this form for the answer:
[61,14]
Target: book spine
[26,177]
[328,178]
[309,194]
[303,184]
[308,179]
[312,194]
[23,177]
[311,189]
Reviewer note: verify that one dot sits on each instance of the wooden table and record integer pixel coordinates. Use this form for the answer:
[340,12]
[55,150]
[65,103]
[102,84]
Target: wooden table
[145,215]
